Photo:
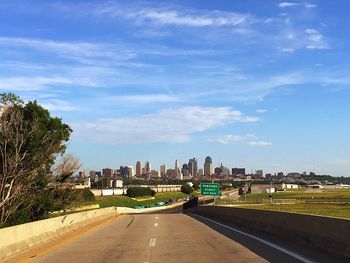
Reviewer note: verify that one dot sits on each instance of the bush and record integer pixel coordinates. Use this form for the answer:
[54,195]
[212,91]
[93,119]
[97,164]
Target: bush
[186,189]
[240,191]
[140,191]
[41,205]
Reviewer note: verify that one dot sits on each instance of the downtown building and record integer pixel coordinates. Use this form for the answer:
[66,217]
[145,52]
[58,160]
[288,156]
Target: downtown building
[208,166]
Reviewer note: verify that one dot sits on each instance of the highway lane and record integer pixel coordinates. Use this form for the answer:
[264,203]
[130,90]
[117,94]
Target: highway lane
[162,238]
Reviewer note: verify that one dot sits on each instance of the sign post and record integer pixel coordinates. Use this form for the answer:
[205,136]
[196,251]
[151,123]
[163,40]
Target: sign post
[210,189]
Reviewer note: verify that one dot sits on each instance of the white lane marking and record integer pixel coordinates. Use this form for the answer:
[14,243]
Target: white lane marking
[152,242]
[157,217]
[155,224]
[284,250]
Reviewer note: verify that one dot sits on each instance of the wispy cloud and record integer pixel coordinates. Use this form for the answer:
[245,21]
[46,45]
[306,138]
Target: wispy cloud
[172,15]
[316,39]
[142,99]
[259,143]
[249,139]
[174,125]
[294,4]
[31,83]
[261,111]
[57,105]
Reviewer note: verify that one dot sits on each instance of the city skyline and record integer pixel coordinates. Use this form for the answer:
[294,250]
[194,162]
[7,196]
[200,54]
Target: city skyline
[257,86]
[163,168]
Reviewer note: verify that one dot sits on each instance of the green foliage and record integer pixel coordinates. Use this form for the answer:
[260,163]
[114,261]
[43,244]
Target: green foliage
[140,191]
[48,201]
[125,201]
[186,189]
[33,141]
[196,185]
[240,191]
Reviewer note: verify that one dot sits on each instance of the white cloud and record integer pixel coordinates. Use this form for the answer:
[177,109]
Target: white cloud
[80,51]
[288,4]
[316,39]
[57,105]
[259,143]
[142,99]
[261,110]
[249,139]
[171,15]
[231,138]
[174,125]
[31,83]
[293,4]
[287,50]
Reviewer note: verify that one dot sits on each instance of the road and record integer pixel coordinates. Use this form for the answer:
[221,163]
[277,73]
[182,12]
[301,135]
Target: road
[162,238]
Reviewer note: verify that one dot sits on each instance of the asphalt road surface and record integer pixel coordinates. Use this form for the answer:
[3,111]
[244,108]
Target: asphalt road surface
[166,238]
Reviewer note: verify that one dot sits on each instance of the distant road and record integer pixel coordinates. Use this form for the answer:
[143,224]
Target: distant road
[162,238]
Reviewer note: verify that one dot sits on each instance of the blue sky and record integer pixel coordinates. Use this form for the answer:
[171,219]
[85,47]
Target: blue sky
[258,84]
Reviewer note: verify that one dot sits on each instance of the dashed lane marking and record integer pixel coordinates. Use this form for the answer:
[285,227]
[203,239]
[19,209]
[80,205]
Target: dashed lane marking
[152,242]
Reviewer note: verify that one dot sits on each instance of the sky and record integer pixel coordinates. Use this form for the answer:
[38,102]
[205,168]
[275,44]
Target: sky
[254,84]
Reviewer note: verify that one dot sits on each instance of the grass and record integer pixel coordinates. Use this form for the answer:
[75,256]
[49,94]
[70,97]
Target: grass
[125,201]
[333,210]
[335,195]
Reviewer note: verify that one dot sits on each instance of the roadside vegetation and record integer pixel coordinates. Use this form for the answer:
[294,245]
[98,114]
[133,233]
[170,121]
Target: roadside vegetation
[333,210]
[302,195]
[34,168]
[334,203]
[125,201]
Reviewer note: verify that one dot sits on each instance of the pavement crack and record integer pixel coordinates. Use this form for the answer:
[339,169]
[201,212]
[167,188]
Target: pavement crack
[131,221]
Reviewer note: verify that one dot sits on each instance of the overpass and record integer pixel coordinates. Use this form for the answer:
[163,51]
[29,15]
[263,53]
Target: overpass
[169,236]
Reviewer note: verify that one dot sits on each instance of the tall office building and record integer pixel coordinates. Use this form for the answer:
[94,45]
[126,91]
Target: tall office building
[131,171]
[107,172]
[124,171]
[238,171]
[177,169]
[138,168]
[163,169]
[208,166]
[184,169]
[148,167]
[192,167]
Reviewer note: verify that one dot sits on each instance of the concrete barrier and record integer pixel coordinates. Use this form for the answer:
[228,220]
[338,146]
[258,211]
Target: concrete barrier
[331,235]
[128,210]
[21,237]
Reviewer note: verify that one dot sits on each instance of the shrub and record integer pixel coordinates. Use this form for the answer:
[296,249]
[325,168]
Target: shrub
[140,191]
[186,189]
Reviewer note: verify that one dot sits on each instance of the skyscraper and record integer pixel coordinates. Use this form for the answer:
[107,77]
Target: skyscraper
[131,171]
[163,169]
[138,168]
[208,166]
[192,167]
[148,167]
[177,169]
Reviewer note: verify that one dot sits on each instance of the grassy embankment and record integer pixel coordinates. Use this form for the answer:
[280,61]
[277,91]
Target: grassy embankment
[334,203]
[125,201]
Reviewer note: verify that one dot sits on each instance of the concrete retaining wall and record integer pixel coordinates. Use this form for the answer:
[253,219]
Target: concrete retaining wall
[18,238]
[331,235]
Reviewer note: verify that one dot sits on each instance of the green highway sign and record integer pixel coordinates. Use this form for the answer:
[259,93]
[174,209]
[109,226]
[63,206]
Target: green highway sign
[210,189]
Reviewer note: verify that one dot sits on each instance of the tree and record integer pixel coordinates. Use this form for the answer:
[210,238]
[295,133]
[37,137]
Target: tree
[65,167]
[186,189]
[30,141]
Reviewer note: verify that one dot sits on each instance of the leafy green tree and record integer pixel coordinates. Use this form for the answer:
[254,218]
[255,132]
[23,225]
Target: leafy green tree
[30,141]
[186,189]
